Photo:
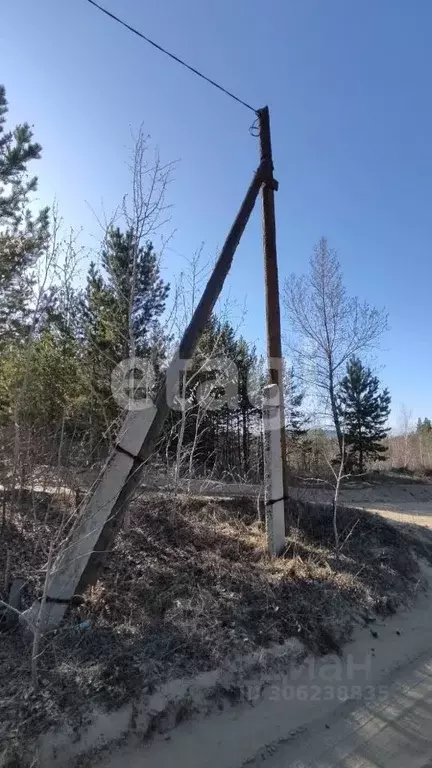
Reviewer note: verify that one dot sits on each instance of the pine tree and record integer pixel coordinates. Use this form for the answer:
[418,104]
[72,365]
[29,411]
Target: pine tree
[205,422]
[22,237]
[121,319]
[246,362]
[102,350]
[296,420]
[134,279]
[364,411]
[53,382]
[424,427]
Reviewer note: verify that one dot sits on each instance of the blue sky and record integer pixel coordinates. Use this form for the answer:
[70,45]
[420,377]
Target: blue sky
[348,85]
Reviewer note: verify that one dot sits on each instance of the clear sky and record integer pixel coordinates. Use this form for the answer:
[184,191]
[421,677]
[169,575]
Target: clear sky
[349,89]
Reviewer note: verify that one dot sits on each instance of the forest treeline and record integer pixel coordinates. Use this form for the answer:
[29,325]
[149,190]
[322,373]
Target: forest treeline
[69,317]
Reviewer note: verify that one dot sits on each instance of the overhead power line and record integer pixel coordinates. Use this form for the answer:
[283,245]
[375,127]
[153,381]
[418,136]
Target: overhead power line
[171,55]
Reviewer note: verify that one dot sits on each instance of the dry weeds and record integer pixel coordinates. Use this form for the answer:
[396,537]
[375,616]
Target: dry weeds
[189,587]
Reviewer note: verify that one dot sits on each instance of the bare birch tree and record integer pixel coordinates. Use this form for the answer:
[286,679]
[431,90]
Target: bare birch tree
[406,430]
[145,209]
[328,327]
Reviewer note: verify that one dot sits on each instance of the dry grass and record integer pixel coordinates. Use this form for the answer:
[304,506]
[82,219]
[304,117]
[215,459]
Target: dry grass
[188,588]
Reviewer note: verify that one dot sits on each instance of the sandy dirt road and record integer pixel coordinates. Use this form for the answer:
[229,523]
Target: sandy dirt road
[393,733]
[396,498]
[370,709]
[401,502]
[397,731]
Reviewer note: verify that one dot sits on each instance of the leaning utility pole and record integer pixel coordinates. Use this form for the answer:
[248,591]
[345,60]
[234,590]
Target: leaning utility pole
[78,563]
[274,342]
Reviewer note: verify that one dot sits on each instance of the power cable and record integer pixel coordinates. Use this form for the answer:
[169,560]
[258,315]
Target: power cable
[171,55]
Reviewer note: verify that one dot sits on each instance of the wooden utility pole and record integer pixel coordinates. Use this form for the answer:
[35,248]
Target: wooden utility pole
[78,563]
[274,341]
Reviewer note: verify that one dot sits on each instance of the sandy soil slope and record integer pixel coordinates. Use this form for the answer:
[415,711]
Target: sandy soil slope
[301,721]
